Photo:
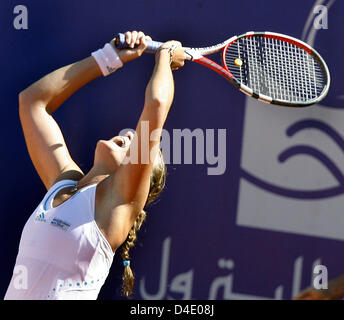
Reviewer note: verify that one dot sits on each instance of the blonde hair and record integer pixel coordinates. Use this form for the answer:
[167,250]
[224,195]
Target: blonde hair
[157,183]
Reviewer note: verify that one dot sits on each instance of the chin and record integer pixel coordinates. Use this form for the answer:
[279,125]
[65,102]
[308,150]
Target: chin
[110,155]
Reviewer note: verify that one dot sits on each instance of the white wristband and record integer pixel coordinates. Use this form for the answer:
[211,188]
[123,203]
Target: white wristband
[107,59]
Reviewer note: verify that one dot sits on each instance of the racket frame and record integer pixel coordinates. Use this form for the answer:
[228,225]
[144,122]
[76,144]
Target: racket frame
[198,55]
[302,45]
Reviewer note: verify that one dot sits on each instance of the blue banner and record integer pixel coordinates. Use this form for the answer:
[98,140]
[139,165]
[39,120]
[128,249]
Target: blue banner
[250,221]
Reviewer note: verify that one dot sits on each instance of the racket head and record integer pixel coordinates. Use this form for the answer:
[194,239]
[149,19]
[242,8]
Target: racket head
[277,69]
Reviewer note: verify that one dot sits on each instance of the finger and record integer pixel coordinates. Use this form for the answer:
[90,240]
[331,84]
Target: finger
[174,66]
[181,61]
[126,141]
[177,43]
[142,43]
[133,39]
[128,37]
[142,47]
[140,37]
[146,39]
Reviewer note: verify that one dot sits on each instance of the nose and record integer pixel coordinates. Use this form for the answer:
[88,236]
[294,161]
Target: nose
[122,141]
[127,141]
[130,135]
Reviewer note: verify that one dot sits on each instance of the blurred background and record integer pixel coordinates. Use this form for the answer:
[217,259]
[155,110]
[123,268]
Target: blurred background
[254,232]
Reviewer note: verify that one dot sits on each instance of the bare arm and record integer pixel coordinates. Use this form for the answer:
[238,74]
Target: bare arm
[134,178]
[45,142]
[44,139]
[127,189]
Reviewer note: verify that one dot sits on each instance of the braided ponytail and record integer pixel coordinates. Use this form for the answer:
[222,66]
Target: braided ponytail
[128,276]
[157,183]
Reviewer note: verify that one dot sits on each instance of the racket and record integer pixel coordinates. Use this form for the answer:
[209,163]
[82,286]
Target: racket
[271,67]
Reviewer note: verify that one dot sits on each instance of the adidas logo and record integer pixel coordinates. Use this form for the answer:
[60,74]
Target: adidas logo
[41,217]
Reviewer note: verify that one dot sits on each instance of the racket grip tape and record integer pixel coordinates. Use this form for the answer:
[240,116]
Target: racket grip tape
[152,46]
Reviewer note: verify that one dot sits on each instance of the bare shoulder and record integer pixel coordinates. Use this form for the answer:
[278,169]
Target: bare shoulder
[112,214]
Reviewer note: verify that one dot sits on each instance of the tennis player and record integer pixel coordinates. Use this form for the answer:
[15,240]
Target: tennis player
[68,243]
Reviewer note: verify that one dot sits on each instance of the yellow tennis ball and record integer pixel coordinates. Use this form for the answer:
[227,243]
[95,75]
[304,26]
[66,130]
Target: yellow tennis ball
[238,62]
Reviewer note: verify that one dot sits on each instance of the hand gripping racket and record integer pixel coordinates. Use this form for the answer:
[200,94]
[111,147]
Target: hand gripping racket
[271,67]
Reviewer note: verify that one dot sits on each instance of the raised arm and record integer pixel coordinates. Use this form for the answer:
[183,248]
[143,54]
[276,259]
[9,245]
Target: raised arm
[123,194]
[44,140]
[132,179]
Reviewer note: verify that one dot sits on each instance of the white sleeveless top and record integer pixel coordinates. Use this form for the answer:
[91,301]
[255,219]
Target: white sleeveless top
[62,253]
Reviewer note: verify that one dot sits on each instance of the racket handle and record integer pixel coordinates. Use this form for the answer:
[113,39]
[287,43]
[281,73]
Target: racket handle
[152,46]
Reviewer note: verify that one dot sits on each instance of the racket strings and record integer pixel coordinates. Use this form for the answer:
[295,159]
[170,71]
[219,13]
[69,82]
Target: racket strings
[275,68]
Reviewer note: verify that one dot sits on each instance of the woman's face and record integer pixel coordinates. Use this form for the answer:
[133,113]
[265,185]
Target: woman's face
[109,154]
